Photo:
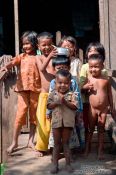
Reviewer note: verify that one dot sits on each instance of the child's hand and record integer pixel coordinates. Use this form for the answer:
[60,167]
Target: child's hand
[48,117]
[53,53]
[3,69]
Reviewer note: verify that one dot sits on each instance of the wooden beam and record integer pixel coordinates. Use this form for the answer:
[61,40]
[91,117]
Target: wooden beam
[58,37]
[104,29]
[16,23]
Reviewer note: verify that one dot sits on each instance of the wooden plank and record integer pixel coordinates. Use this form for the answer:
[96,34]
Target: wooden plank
[112,27]
[0,123]
[16,22]
[104,29]
[9,105]
[58,37]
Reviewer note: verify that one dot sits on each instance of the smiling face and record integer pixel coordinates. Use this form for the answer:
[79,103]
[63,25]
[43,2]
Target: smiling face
[45,45]
[27,46]
[62,84]
[92,51]
[70,46]
[95,67]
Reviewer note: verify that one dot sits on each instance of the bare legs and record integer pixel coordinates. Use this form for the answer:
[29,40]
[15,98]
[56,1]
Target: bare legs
[61,134]
[15,139]
[16,133]
[96,118]
[31,137]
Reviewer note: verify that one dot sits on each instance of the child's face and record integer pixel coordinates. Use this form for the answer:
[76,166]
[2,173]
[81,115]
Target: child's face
[70,46]
[27,46]
[95,67]
[62,84]
[45,46]
[61,66]
[92,51]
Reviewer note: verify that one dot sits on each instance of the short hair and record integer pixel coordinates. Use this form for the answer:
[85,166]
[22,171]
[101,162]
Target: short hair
[96,57]
[60,60]
[32,38]
[98,47]
[44,35]
[64,73]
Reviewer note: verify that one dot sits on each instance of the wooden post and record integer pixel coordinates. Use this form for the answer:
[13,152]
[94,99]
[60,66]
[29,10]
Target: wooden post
[16,22]
[104,28]
[58,37]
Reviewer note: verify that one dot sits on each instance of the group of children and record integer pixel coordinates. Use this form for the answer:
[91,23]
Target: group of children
[48,86]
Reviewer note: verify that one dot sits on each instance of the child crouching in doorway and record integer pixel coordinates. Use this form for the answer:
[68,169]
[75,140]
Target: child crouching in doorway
[63,104]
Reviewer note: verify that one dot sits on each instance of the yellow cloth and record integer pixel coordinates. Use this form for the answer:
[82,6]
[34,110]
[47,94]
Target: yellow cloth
[43,124]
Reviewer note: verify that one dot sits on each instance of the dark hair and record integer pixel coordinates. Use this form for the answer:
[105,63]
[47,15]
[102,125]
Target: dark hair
[98,47]
[68,38]
[32,38]
[61,60]
[44,35]
[96,57]
[64,73]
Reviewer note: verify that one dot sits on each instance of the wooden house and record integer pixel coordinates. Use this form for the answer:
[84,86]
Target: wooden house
[86,20]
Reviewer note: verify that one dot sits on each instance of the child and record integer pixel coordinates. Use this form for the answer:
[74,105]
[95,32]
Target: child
[44,63]
[75,67]
[93,48]
[100,98]
[28,87]
[64,104]
[63,62]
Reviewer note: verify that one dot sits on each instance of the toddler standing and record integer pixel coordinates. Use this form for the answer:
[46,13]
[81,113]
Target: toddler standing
[64,104]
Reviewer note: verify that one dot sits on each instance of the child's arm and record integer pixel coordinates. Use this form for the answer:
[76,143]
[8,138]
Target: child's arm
[51,104]
[76,90]
[15,61]
[69,104]
[110,97]
[88,86]
[72,102]
[43,64]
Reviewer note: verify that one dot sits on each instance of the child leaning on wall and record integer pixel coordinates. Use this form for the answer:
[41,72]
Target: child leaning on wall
[28,87]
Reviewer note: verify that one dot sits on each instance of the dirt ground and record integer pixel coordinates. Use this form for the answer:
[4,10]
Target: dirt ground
[25,162]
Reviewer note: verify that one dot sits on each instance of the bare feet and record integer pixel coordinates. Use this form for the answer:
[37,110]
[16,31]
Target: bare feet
[31,145]
[54,169]
[69,169]
[12,148]
[39,153]
[101,156]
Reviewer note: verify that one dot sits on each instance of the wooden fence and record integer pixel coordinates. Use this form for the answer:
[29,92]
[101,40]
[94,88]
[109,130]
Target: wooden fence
[8,101]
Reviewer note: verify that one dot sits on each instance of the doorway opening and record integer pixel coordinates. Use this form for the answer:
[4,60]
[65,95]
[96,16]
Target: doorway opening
[77,18]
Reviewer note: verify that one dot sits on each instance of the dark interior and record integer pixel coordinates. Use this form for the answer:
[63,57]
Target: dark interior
[73,17]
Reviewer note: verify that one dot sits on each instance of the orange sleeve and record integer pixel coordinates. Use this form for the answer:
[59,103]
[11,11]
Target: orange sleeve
[15,61]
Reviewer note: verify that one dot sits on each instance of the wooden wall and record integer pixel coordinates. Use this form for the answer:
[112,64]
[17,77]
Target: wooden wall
[107,18]
[8,105]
